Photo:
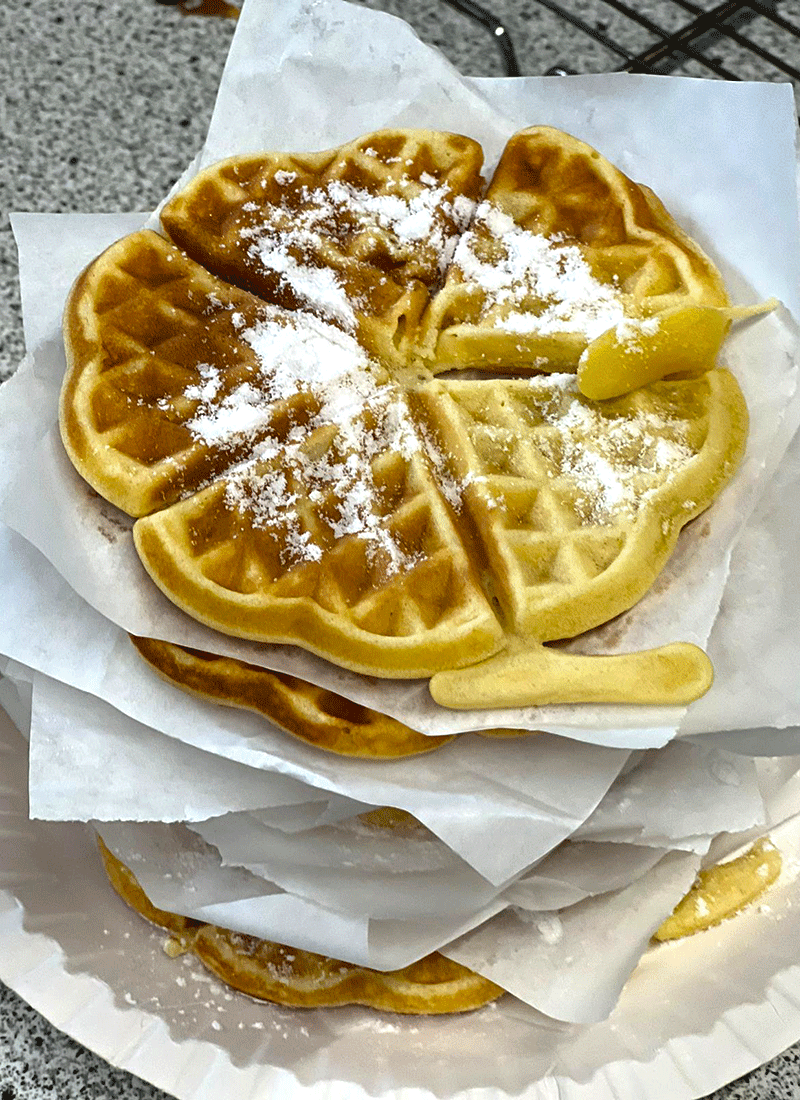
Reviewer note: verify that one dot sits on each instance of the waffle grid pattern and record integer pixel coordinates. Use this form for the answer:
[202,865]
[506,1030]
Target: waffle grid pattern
[547,536]
[631,245]
[496,533]
[249,200]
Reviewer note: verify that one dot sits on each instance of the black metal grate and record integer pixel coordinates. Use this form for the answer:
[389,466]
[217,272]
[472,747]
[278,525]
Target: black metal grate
[734,40]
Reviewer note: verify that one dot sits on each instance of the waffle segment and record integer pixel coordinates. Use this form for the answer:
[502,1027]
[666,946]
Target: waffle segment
[359,234]
[141,326]
[577,506]
[213,559]
[563,248]
[313,714]
[302,979]
[722,891]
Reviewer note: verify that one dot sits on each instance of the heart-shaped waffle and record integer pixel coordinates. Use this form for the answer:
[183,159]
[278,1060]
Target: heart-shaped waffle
[300,476]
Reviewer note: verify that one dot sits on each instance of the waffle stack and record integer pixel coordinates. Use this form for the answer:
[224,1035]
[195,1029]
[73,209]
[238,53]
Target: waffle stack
[268,390]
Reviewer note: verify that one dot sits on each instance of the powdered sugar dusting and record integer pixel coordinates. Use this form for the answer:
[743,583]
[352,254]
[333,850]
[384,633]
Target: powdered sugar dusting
[306,238]
[611,460]
[318,287]
[304,431]
[535,284]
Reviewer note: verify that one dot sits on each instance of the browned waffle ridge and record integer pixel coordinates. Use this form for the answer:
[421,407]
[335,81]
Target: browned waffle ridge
[313,714]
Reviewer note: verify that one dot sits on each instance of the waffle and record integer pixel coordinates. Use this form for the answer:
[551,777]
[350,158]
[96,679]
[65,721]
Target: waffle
[302,979]
[139,323]
[359,234]
[296,485]
[563,249]
[314,715]
[577,507]
[722,891]
[311,713]
[401,599]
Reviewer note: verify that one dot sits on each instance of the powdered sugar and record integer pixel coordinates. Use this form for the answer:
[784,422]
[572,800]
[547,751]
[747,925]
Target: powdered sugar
[630,330]
[307,238]
[533,283]
[318,287]
[208,387]
[306,428]
[613,461]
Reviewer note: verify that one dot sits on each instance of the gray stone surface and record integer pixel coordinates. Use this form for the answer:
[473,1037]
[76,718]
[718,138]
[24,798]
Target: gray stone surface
[103,104]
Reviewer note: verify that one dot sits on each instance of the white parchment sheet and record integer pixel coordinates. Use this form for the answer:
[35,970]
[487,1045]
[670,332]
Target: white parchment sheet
[577,925]
[499,804]
[681,145]
[385,900]
[694,1015]
[180,873]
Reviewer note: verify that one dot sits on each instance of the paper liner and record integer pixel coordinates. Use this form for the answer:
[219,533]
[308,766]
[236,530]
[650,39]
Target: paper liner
[695,1015]
[529,794]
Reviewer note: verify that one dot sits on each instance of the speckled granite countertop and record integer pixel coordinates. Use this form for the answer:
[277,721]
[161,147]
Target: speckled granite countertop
[103,106]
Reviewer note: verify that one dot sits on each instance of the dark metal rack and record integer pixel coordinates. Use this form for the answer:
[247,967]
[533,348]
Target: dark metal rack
[727,22]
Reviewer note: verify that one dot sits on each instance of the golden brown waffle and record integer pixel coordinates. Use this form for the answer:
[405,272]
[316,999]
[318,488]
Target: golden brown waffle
[563,248]
[301,979]
[256,576]
[314,715]
[138,324]
[293,489]
[722,891]
[359,234]
[215,561]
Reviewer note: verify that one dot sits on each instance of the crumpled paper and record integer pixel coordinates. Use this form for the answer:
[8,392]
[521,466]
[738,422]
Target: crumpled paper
[500,805]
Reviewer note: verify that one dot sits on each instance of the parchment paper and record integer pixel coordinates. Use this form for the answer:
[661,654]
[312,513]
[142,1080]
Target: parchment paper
[180,873]
[499,804]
